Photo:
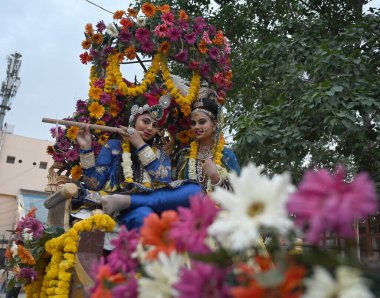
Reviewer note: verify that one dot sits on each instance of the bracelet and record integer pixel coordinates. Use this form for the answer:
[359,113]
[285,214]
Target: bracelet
[146,156]
[218,183]
[87,160]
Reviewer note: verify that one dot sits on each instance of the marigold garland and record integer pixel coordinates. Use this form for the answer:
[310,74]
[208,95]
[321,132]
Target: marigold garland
[56,282]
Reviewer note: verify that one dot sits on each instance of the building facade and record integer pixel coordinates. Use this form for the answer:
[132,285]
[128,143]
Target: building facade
[24,166]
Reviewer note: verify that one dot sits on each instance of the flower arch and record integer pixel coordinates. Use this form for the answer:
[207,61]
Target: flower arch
[171,39]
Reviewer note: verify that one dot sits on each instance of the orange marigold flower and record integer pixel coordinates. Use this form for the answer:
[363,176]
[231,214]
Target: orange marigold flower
[86,44]
[183,15]
[148,9]
[202,48]
[130,52]
[76,172]
[164,47]
[97,38]
[155,231]
[50,150]
[88,29]
[185,109]
[72,132]
[25,255]
[219,38]
[184,136]
[118,14]
[95,93]
[164,8]
[132,12]
[103,139]
[31,213]
[114,110]
[126,23]
[96,110]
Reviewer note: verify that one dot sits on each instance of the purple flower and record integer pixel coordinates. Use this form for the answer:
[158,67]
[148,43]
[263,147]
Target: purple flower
[201,281]
[182,56]
[191,229]
[81,106]
[126,290]
[125,36]
[105,98]
[191,38]
[99,83]
[120,258]
[58,157]
[63,144]
[56,134]
[199,25]
[106,118]
[223,59]
[108,50]
[174,34]
[31,225]
[325,202]
[213,53]
[95,54]
[142,34]
[72,155]
[211,30]
[100,26]
[184,25]
[147,46]
[27,274]
[205,69]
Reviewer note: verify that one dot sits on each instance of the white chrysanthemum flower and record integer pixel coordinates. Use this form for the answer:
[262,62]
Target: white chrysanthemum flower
[14,249]
[163,274]
[256,201]
[348,284]
[111,30]
[141,21]
[27,236]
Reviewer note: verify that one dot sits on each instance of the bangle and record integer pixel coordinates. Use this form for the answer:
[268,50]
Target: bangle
[146,156]
[218,183]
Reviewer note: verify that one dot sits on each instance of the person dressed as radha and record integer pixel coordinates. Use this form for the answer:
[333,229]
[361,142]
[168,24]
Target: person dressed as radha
[208,161]
[133,172]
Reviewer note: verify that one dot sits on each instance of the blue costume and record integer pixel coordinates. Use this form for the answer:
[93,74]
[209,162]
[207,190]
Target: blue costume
[106,174]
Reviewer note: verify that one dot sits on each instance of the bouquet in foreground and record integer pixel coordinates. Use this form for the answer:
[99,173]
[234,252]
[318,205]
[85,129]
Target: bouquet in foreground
[25,258]
[264,239]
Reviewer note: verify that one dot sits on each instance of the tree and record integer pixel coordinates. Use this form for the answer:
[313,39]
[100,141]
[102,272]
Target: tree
[306,77]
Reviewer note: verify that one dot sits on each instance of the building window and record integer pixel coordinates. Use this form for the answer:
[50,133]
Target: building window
[11,159]
[43,165]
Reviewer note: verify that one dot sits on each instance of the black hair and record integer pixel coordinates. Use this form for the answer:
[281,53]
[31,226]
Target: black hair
[208,105]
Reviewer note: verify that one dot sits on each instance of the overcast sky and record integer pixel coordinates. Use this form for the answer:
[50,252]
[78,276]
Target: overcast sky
[48,35]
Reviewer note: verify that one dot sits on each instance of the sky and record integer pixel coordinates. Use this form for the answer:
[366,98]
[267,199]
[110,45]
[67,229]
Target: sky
[48,35]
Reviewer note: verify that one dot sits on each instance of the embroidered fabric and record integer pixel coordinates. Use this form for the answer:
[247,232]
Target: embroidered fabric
[87,160]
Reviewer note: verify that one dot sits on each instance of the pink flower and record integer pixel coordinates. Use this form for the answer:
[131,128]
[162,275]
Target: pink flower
[325,202]
[120,258]
[72,155]
[182,56]
[202,280]
[191,229]
[142,34]
[174,34]
[191,38]
[168,18]
[213,53]
[199,25]
[105,98]
[161,30]
[147,46]
[206,37]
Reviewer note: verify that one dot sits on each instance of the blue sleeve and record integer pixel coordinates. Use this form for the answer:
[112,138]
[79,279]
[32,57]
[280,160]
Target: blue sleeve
[107,167]
[159,169]
[230,161]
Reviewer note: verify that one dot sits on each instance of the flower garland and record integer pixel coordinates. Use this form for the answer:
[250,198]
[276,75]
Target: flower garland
[127,166]
[56,282]
[193,90]
[217,156]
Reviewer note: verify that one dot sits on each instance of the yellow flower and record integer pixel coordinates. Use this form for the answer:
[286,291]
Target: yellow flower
[76,172]
[96,110]
[72,132]
[103,139]
[185,109]
[95,93]
[148,9]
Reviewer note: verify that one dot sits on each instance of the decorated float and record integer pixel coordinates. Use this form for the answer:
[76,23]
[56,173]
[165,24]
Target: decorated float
[262,240]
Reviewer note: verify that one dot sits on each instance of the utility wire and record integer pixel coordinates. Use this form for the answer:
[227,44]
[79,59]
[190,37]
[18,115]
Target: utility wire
[99,6]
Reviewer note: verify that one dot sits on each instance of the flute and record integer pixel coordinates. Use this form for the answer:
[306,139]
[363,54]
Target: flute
[81,124]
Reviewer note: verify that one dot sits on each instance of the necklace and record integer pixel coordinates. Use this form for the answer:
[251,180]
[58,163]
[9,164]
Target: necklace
[204,152]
